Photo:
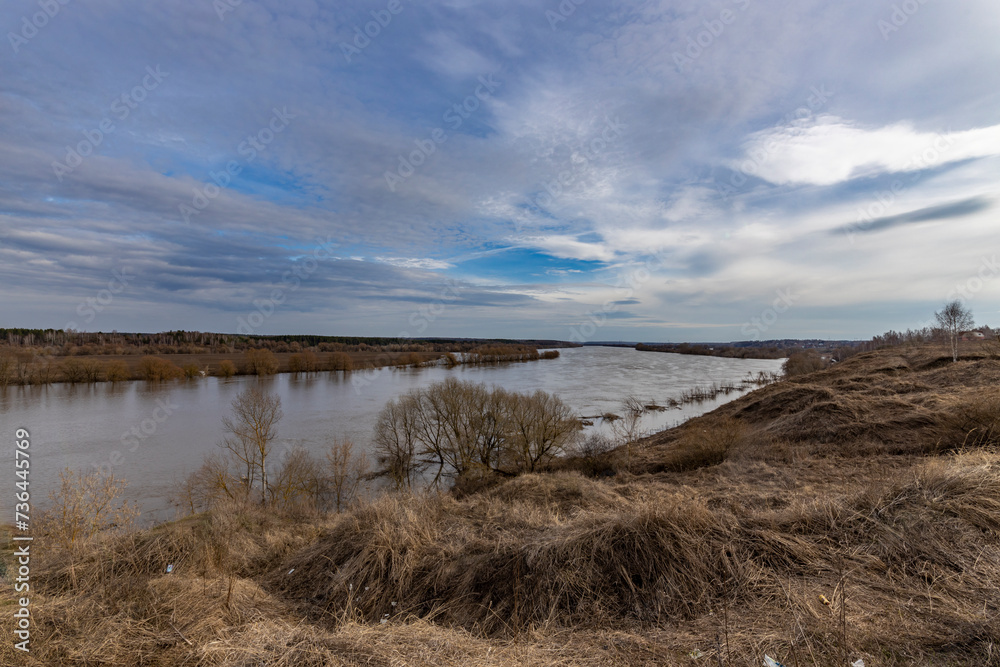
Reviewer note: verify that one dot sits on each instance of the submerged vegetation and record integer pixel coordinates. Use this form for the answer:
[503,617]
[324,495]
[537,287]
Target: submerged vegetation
[26,365]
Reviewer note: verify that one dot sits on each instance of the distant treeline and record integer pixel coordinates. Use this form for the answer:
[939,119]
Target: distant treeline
[715,350]
[807,356]
[58,342]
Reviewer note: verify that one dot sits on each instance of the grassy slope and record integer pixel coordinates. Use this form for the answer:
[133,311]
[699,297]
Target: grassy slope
[720,537]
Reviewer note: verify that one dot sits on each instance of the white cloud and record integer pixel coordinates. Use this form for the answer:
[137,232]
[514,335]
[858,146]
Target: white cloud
[567,247]
[831,150]
[415,263]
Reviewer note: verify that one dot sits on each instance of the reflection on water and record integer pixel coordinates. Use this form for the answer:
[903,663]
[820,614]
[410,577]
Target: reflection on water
[153,434]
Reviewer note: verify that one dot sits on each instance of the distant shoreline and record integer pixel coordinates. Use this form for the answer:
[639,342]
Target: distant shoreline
[31,368]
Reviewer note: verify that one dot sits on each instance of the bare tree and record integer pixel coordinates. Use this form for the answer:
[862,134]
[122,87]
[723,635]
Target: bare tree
[628,429]
[215,480]
[252,430]
[452,429]
[346,470]
[954,318]
[397,441]
[299,482]
[540,426]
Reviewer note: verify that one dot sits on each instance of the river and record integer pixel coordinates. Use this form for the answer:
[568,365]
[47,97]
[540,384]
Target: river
[154,434]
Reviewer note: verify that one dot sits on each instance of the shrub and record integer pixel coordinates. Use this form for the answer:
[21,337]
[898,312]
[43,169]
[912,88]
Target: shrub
[191,370]
[298,483]
[212,482]
[593,454]
[81,370]
[627,428]
[227,369]
[310,362]
[704,444]
[85,505]
[801,362]
[259,362]
[495,354]
[73,370]
[155,368]
[91,370]
[117,371]
[306,362]
[6,367]
[339,361]
[44,371]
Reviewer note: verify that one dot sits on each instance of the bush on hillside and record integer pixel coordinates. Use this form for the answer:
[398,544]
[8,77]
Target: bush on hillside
[801,362]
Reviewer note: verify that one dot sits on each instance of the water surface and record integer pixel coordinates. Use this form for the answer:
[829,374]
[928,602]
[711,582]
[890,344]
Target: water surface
[153,434]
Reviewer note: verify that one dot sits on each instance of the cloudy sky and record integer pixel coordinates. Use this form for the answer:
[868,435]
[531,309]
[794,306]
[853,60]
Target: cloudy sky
[657,171]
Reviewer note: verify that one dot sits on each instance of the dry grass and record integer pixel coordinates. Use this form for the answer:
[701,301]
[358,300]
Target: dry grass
[727,541]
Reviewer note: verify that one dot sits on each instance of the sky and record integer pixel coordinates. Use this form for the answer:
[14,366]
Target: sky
[581,170]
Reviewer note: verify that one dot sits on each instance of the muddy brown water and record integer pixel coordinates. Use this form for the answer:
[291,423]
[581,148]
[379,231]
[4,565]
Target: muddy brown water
[153,434]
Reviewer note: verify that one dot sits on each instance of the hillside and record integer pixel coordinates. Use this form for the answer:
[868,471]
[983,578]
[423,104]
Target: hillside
[850,513]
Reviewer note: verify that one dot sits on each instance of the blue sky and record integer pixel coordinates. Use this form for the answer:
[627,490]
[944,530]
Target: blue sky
[657,171]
